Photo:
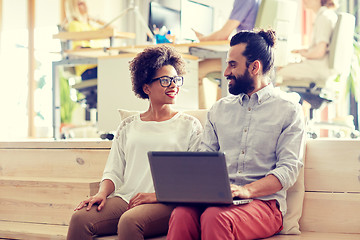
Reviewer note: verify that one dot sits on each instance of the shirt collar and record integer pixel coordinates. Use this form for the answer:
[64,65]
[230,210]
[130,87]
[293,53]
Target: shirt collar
[242,97]
[262,95]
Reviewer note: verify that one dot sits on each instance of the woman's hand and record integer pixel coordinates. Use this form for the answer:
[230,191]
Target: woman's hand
[239,191]
[296,51]
[317,51]
[142,198]
[99,198]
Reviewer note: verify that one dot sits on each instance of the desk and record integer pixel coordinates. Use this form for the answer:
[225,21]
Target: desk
[203,50]
[91,35]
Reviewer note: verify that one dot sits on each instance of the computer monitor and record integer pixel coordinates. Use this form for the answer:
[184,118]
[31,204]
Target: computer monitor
[197,16]
[160,16]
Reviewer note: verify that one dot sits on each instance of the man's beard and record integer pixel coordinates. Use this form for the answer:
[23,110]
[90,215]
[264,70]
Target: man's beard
[243,84]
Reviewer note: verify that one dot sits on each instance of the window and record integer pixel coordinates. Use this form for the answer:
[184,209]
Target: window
[14,70]
[14,65]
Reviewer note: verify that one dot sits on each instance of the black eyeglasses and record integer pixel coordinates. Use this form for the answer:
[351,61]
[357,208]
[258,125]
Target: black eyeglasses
[165,81]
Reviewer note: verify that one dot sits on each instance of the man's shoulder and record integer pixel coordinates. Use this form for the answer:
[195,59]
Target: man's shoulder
[287,97]
[225,101]
[228,99]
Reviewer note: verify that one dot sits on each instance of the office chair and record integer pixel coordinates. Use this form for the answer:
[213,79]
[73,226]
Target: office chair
[89,89]
[322,92]
[280,15]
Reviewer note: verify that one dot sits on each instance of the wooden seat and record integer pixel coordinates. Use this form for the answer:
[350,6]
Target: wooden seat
[41,182]
[43,200]
[29,231]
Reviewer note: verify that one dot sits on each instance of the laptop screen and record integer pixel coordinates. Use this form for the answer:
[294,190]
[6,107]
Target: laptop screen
[190,177]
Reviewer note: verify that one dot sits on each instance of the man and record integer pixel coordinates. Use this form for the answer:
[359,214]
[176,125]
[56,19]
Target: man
[262,133]
[242,17]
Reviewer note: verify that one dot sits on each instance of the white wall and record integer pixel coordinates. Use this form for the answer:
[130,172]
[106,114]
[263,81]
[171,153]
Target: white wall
[106,9]
[222,11]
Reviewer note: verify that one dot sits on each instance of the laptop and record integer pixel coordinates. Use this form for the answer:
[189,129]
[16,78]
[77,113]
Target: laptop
[191,178]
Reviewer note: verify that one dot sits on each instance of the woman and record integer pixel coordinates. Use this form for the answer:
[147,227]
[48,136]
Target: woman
[315,66]
[126,202]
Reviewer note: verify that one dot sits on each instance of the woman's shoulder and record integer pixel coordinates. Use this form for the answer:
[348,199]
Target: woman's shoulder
[187,117]
[190,119]
[128,121]
[78,26]
[74,26]
[327,14]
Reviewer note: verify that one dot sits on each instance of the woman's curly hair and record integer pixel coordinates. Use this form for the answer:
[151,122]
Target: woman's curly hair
[144,66]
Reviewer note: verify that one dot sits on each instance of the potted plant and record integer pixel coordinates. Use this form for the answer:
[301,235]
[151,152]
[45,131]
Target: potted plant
[67,105]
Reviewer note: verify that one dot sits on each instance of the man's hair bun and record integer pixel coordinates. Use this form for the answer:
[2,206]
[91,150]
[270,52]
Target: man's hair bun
[269,36]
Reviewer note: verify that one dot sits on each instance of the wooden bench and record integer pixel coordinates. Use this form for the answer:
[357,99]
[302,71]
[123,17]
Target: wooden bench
[42,181]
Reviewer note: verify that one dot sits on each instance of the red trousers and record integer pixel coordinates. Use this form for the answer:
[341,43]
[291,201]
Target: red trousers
[257,219]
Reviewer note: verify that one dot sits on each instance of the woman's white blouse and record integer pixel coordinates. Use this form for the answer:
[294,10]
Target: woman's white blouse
[127,165]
